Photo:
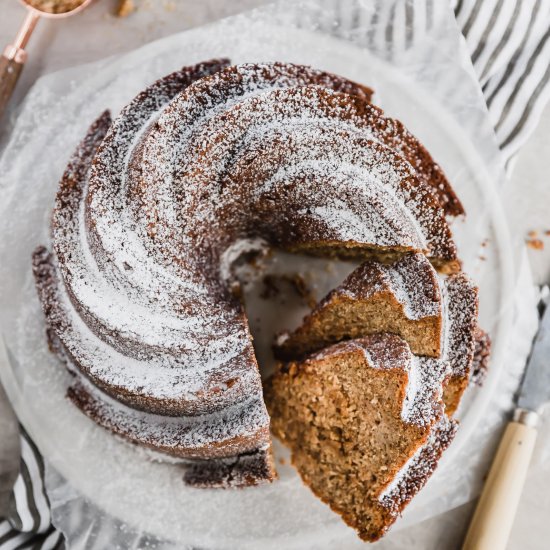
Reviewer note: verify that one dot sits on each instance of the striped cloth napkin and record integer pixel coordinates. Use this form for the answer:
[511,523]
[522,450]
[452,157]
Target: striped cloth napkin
[509,43]
[28,523]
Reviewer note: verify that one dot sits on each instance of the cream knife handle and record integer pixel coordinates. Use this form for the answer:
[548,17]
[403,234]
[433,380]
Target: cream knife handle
[492,522]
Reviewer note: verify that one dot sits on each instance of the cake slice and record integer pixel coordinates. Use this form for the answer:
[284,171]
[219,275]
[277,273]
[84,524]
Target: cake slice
[402,298]
[413,476]
[436,317]
[482,353]
[357,417]
[461,309]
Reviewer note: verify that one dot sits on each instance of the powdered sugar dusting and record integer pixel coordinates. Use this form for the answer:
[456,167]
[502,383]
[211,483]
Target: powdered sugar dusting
[460,296]
[412,281]
[183,436]
[420,466]
[200,167]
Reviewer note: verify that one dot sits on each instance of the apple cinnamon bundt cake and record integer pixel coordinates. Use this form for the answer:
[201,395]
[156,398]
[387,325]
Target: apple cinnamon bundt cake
[139,296]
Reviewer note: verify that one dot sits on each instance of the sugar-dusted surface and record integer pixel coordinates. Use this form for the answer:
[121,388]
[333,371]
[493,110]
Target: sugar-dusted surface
[411,280]
[461,296]
[236,155]
[137,311]
[418,469]
[268,153]
[186,437]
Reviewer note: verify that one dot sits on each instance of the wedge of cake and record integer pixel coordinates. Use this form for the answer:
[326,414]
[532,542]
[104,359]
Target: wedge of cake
[365,424]
[403,298]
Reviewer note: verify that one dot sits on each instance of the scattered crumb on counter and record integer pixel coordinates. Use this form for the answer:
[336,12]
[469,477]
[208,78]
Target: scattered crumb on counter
[533,240]
[535,244]
[282,461]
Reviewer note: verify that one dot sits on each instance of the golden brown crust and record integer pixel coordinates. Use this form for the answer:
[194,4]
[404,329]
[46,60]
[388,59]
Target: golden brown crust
[453,391]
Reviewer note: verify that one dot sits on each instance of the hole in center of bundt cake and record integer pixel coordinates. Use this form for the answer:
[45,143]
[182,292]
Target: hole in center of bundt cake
[278,289]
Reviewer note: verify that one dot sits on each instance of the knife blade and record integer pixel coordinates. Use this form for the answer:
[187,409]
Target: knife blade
[494,516]
[535,387]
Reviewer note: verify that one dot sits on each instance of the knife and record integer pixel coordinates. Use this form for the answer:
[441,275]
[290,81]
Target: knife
[492,521]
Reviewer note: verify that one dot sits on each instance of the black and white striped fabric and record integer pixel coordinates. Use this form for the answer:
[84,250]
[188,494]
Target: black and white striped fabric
[28,523]
[509,43]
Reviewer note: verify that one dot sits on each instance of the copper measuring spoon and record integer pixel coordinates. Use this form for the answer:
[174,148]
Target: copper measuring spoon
[14,56]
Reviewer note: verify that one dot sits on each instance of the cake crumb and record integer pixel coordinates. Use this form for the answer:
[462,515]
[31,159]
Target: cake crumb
[532,234]
[302,289]
[272,287]
[535,244]
[125,8]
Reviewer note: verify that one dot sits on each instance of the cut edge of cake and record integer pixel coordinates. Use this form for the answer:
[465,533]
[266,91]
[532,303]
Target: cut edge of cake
[403,298]
[340,409]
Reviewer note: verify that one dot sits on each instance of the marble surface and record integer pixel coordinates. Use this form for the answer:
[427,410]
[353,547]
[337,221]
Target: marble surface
[97,33]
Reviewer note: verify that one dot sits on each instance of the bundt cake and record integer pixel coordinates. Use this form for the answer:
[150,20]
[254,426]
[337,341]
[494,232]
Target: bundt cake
[142,304]
[355,416]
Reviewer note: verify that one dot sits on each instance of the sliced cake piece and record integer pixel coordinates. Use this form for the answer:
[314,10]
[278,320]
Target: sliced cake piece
[436,317]
[403,298]
[482,353]
[461,309]
[354,416]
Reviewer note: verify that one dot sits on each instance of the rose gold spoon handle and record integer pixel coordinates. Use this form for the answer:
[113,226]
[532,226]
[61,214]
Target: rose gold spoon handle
[13,59]
[14,56]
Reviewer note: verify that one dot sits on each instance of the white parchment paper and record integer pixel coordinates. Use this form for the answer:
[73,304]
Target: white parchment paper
[105,493]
